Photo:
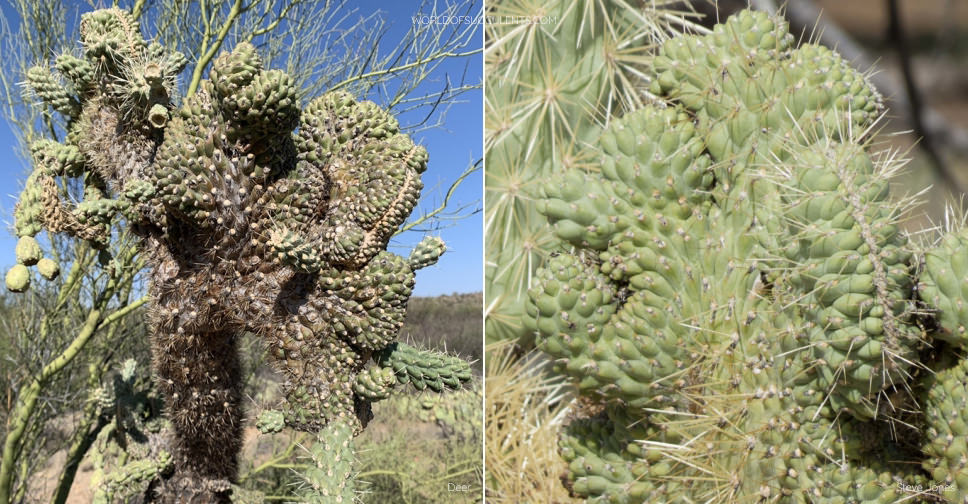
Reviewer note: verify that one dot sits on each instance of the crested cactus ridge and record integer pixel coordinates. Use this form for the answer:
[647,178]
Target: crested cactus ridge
[736,303]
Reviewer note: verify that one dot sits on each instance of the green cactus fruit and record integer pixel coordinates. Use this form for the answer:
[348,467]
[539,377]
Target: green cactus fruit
[18,278]
[48,268]
[28,251]
[271,421]
[426,253]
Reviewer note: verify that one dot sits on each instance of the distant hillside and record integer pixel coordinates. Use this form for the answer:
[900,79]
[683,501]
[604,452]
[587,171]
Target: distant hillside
[453,322]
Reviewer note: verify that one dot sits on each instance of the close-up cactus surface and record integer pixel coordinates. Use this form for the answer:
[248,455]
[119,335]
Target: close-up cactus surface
[550,82]
[735,303]
[255,215]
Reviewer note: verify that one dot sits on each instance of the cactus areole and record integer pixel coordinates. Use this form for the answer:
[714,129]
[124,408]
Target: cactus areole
[256,216]
[737,306]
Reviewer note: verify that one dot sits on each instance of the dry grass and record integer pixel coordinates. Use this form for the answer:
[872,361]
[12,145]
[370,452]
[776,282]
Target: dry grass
[408,456]
[524,409]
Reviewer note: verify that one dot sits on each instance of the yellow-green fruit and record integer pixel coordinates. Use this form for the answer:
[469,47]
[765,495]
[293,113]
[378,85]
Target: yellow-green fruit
[28,251]
[18,278]
[48,268]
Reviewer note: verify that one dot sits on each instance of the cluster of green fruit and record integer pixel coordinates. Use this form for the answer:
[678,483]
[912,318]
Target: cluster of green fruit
[29,253]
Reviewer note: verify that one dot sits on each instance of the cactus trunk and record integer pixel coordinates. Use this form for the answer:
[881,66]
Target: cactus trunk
[200,375]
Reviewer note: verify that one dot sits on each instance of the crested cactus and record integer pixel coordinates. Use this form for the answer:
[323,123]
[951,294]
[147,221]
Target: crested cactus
[247,226]
[736,303]
[551,81]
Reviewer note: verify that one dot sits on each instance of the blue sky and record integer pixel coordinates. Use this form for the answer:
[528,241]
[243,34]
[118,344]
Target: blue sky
[452,147]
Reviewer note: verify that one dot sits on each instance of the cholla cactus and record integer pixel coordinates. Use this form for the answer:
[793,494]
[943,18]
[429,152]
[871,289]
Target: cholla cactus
[456,414]
[247,227]
[556,69]
[739,310]
[126,454]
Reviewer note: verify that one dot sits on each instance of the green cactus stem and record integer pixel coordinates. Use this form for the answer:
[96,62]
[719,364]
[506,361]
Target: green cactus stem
[550,85]
[426,253]
[424,369]
[330,477]
[131,478]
